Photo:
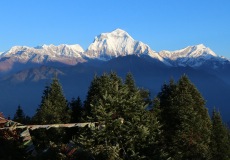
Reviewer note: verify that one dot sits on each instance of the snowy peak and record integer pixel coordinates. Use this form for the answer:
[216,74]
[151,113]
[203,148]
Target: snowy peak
[49,50]
[75,47]
[62,54]
[193,56]
[61,50]
[200,51]
[196,51]
[119,33]
[113,44]
[117,43]
[14,50]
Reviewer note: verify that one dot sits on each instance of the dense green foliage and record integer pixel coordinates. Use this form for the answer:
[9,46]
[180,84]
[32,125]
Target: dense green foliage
[220,138]
[53,105]
[126,130]
[76,107]
[98,87]
[177,126]
[52,110]
[20,116]
[185,121]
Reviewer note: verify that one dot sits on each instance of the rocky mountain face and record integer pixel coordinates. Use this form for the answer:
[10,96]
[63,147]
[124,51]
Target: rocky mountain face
[25,71]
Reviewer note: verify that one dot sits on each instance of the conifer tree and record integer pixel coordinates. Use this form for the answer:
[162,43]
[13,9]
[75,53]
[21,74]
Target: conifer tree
[131,85]
[76,110]
[185,121]
[52,110]
[19,116]
[53,107]
[76,116]
[126,129]
[97,87]
[220,140]
[129,82]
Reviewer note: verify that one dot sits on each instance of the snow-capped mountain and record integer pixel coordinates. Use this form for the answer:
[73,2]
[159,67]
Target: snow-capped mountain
[118,43]
[66,54]
[107,46]
[32,53]
[193,56]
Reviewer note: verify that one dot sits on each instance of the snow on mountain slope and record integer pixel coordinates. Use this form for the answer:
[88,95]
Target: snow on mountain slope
[50,50]
[118,43]
[65,54]
[105,47]
[62,50]
[193,56]
[43,53]
[189,52]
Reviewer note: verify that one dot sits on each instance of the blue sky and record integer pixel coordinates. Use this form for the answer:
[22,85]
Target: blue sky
[162,24]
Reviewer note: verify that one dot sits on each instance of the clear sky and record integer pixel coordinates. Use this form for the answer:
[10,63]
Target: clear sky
[162,24]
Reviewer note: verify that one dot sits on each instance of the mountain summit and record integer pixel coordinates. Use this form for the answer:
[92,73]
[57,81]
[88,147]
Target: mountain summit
[50,50]
[189,52]
[118,43]
[63,54]
[193,56]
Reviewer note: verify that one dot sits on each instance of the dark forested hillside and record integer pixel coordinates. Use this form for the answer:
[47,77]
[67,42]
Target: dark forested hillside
[25,87]
[117,120]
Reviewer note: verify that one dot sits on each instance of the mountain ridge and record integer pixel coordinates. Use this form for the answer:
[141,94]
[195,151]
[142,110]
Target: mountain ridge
[107,46]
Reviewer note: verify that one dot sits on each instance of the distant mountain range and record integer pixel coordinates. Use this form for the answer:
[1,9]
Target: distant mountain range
[105,47]
[24,71]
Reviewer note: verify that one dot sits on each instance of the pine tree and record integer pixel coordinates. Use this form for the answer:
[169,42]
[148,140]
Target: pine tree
[52,110]
[76,108]
[220,140]
[97,87]
[19,116]
[130,83]
[185,121]
[76,116]
[126,129]
[53,107]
